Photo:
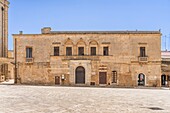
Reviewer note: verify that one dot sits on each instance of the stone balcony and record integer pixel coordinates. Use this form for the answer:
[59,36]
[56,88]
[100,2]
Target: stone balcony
[77,57]
[29,60]
[143,59]
[85,57]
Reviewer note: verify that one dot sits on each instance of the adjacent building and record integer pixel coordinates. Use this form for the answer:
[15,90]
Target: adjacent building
[11,69]
[3,40]
[165,78]
[85,58]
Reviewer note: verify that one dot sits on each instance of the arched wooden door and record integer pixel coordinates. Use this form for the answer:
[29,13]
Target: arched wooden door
[80,75]
[141,80]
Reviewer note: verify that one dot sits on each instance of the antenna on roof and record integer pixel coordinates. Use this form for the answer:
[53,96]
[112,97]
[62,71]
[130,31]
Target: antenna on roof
[165,43]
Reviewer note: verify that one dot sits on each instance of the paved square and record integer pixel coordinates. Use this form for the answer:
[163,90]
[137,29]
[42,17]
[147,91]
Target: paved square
[52,99]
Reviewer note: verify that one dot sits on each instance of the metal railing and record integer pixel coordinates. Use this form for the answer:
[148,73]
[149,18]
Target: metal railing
[81,57]
[29,60]
[143,59]
[84,57]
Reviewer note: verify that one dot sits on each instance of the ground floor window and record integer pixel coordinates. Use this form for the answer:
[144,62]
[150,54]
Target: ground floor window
[114,76]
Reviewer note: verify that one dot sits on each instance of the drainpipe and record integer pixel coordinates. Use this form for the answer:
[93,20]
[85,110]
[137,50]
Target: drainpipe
[2,9]
[15,43]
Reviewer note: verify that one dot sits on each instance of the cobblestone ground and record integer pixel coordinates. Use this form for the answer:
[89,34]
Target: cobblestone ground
[52,99]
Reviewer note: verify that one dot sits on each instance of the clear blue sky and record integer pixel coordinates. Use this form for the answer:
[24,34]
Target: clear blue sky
[30,16]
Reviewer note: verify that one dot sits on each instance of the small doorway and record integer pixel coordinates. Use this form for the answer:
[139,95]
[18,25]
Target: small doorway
[57,80]
[102,78]
[80,75]
[163,80]
[141,80]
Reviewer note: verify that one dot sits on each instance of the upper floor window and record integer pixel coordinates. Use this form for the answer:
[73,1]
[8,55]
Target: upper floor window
[93,51]
[29,52]
[105,51]
[68,51]
[142,52]
[80,51]
[56,51]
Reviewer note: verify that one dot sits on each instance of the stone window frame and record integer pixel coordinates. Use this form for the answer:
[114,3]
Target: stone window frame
[69,43]
[81,45]
[56,44]
[114,76]
[107,53]
[106,44]
[26,51]
[94,45]
[142,51]
[146,49]
[83,51]
[58,53]
[71,50]
[92,54]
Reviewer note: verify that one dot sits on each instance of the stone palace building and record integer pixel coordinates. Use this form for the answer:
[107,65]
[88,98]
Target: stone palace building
[85,58]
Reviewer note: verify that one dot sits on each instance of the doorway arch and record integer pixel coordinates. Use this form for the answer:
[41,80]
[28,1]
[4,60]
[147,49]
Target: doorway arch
[80,75]
[141,79]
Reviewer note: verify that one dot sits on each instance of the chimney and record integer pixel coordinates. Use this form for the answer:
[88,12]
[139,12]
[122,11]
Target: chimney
[46,30]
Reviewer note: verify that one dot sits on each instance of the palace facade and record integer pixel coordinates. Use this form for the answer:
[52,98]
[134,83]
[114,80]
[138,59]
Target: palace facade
[85,58]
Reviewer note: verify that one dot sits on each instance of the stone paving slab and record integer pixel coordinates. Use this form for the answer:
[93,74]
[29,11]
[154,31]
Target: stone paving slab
[53,99]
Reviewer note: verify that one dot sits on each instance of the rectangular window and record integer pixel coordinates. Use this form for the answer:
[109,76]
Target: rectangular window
[29,52]
[68,51]
[114,75]
[105,51]
[142,52]
[56,51]
[93,51]
[80,51]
